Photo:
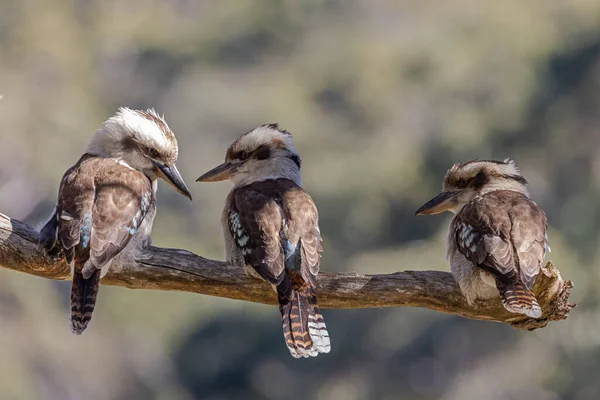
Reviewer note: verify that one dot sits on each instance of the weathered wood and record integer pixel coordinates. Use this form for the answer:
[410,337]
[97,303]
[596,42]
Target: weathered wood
[172,269]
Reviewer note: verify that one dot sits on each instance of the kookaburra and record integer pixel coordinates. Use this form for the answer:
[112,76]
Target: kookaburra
[107,201]
[497,239]
[271,229]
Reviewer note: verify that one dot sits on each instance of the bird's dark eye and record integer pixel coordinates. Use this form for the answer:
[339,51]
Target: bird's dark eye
[462,182]
[153,153]
[243,155]
[262,153]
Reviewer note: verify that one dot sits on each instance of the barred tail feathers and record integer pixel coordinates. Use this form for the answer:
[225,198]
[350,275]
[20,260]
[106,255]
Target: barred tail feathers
[83,299]
[517,298]
[303,325]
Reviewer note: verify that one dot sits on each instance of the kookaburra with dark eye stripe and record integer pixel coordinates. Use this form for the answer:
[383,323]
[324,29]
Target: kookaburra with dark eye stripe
[107,201]
[497,239]
[271,229]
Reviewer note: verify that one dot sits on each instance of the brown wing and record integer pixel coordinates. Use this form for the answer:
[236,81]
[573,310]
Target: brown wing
[255,222]
[275,220]
[529,238]
[100,206]
[483,235]
[74,208]
[303,230]
[122,198]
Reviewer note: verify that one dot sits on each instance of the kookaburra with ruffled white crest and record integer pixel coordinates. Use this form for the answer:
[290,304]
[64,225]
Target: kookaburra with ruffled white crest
[107,201]
[271,229]
[497,239]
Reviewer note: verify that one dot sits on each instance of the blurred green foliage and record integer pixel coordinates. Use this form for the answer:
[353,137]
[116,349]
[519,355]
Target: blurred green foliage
[382,97]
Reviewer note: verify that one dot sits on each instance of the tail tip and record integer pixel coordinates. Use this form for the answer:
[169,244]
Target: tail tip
[318,332]
[78,328]
[534,312]
[77,331]
[314,351]
[531,310]
[320,343]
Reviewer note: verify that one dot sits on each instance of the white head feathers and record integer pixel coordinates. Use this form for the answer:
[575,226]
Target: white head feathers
[266,152]
[129,134]
[269,135]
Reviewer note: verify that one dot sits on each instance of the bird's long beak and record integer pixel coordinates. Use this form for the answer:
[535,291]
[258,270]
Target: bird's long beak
[172,176]
[444,201]
[220,173]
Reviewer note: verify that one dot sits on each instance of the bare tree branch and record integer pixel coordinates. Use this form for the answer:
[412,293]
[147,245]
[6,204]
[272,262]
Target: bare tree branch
[172,269]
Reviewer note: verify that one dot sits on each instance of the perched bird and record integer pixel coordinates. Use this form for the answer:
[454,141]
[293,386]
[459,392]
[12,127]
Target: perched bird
[107,201]
[497,239]
[271,228]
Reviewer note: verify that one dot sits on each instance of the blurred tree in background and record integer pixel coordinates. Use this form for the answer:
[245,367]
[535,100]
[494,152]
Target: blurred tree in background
[382,97]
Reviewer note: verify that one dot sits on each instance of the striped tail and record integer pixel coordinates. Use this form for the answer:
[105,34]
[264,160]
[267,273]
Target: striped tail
[83,300]
[303,325]
[517,298]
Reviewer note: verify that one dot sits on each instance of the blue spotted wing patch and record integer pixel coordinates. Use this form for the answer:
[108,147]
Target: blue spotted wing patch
[547,248]
[140,214]
[86,231]
[467,238]
[241,237]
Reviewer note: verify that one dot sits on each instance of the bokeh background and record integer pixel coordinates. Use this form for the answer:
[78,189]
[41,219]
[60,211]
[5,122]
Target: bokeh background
[382,97]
